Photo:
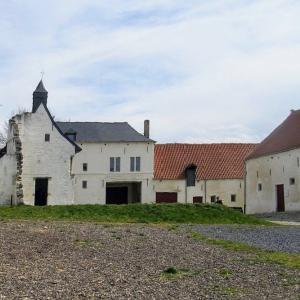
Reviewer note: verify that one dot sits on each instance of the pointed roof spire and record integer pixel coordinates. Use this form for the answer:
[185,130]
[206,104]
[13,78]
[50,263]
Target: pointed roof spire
[40,95]
[40,88]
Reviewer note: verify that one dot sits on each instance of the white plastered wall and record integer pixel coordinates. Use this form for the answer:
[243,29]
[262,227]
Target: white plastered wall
[43,159]
[219,188]
[97,156]
[270,171]
[7,179]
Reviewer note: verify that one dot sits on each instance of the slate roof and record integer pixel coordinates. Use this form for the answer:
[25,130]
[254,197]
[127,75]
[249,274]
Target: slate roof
[285,137]
[41,88]
[213,161]
[93,132]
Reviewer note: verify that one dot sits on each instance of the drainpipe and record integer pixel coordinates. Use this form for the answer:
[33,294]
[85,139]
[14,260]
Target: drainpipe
[186,192]
[204,191]
[245,202]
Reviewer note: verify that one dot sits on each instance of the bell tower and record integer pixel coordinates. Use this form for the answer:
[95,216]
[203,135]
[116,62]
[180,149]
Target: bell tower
[40,95]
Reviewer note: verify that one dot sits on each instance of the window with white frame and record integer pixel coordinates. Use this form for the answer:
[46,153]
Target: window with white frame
[135,164]
[115,164]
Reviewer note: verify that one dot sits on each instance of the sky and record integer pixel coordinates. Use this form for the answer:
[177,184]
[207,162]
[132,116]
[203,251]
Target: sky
[202,71]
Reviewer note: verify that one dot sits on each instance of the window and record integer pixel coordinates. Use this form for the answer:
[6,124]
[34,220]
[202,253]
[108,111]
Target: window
[115,164]
[71,136]
[84,184]
[190,174]
[47,137]
[84,167]
[233,198]
[135,164]
[213,199]
[259,187]
[292,181]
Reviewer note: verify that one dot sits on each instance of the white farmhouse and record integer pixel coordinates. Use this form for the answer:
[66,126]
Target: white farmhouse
[45,162]
[273,170]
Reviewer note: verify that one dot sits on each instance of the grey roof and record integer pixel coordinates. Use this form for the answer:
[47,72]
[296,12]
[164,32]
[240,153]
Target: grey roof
[93,132]
[40,88]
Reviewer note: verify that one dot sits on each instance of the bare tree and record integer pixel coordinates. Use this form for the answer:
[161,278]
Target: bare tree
[3,134]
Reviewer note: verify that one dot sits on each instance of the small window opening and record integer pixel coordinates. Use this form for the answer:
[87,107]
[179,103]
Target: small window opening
[84,184]
[292,181]
[259,187]
[47,137]
[85,167]
[213,199]
[233,198]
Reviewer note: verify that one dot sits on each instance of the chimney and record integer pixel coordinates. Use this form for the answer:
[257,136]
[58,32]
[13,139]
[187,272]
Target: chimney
[40,95]
[147,128]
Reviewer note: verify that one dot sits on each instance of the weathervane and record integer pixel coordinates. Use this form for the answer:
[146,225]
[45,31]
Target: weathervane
[42,75]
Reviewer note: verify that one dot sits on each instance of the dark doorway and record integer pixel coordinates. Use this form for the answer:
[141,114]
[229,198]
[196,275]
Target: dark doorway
[41,191]
[117,195]
[280,197]
[166,197]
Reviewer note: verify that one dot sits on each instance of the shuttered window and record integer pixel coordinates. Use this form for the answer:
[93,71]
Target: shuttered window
[138,164]
[118,164]
[115,164]
[135,164]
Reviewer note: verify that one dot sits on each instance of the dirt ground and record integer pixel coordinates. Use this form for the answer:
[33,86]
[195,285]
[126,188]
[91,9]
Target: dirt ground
[59,260]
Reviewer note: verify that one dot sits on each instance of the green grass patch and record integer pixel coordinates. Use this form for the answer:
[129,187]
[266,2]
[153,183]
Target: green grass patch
[172,273]
[226,273]
[282,258]
[133,213]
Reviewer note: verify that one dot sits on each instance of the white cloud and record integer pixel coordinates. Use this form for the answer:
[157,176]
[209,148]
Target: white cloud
[201,71]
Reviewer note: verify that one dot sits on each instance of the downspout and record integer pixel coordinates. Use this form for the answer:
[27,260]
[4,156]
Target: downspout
[245,187]
[204,191]
[186,191]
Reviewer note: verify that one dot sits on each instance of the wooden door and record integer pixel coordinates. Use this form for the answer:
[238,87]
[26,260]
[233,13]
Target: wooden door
[280,197]
[41,191]
[166,197]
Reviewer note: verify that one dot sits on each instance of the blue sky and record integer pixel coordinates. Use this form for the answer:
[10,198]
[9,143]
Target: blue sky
[200,70]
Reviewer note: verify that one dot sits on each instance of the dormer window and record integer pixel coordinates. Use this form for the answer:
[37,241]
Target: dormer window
[190,173]
[71,135]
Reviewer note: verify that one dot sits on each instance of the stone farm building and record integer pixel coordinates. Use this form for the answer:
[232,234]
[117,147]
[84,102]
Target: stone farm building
[46,162]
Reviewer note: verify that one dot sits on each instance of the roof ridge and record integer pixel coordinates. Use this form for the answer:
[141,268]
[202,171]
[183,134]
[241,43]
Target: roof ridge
[92,122]
[200,144]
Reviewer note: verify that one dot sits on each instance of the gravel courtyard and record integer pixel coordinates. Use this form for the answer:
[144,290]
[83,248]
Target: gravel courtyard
[276,238]
[60,260]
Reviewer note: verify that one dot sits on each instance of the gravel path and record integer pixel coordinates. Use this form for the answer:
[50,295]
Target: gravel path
[277,238]
[293,216]
[57,260]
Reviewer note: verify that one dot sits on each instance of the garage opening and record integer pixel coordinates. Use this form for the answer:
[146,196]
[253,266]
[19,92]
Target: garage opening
[162,197]
[123,192]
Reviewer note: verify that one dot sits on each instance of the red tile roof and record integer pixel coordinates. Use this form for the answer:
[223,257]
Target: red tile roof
[213,161]
[285,137]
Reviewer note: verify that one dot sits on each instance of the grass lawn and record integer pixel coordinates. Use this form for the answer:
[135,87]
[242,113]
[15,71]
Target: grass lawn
[133,213]
[282,258]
